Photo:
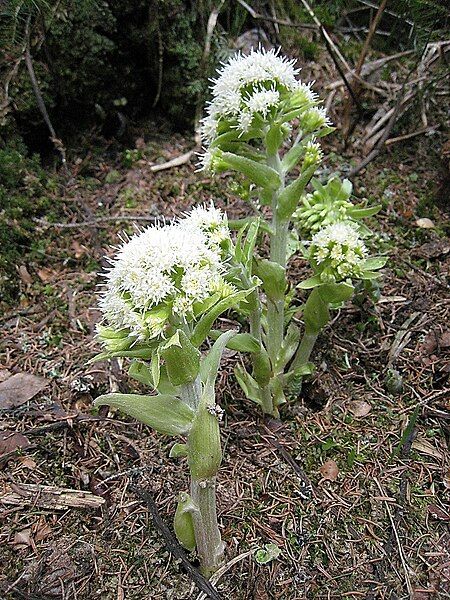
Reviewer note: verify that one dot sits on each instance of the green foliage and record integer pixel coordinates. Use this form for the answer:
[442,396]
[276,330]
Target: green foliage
[23,196]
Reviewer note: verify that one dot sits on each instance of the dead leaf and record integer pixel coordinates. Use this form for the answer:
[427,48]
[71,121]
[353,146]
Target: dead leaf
[42,530]
[329,470]
[27,462]
[4,374]
[429,344]
[24,275]
[444,342]
[433,249]
[359,408]
[425,447]
[23,538]
[20,388]
[422,594]
[46,275]
[438,513]
[78,249]
[11,440]
[425,223]
[447,479]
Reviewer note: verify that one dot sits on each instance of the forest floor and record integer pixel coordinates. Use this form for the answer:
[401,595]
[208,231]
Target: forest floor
[359,509]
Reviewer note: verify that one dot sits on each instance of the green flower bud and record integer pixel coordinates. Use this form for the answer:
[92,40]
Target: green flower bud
[182,359]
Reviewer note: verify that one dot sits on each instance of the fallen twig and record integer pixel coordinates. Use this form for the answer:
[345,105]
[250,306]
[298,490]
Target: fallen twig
[259,17]
[272,427]
[218,574]
[59,146]
[48,496]
[397,539]
[175,162]
[408,136]
[347,127]
[97,222]
[174,547]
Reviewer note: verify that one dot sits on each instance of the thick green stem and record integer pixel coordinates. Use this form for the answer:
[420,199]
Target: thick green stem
[204,457]
[304,350]
[278,252]
[210,547]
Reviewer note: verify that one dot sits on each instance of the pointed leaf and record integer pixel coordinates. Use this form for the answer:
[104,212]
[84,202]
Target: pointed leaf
[375,263]
[155,367]
[316,313]
[203,327]
[335,292]
[166,414]
[361,213]
[259,173]
[289,198]
[310,283]
[249,386]
[289,345]
[273,277]
[242,342]
[141,372]
[183,523]
[178,450]
[211,362]
[182,359]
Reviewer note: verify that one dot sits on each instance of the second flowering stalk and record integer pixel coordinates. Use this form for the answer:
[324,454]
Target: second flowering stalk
[263,123]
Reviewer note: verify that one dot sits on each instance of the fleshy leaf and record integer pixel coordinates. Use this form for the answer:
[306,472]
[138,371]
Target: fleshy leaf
[211,362]
[316,313]
[310,283]
[290,196]
[183,524]
[361,213]
[289,345]
[242,342]
[335,292]
[141,372]
[261,174]
[375,263]
[178,450]
[273,277]
[182,359]
[249,386]
[166,414]
[204,325]
[268,553]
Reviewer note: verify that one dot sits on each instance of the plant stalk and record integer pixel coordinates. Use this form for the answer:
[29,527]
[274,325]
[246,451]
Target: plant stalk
[304,350]
[278,251]
[210,547]
[204,455]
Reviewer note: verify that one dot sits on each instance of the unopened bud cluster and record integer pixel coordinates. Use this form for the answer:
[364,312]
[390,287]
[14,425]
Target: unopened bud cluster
[337,252]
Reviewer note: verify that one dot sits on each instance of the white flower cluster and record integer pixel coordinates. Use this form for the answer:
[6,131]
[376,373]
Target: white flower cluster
[248,86]
[164,271]
[339,251]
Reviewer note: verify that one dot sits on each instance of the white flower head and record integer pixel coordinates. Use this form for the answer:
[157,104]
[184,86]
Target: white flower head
[253,89]
[164,270]
[262,100]
[338,250]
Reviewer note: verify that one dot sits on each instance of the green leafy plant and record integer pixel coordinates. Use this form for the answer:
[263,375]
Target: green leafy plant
[165,289]
[264,124]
